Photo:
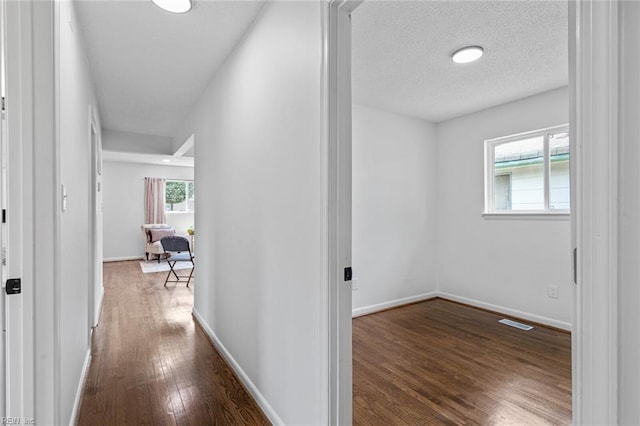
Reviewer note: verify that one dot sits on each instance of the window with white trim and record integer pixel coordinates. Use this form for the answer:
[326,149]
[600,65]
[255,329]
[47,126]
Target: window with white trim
[528,173]
[179,196]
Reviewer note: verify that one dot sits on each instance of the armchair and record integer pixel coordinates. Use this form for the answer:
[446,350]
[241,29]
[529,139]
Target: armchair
[153,233]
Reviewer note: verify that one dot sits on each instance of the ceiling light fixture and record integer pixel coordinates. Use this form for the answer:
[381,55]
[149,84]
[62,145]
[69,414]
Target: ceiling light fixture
[467,54]
[166,160]
[174,6]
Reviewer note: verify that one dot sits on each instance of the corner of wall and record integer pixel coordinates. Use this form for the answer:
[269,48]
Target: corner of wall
[438,213]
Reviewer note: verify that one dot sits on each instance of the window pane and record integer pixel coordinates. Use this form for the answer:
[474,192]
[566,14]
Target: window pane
[523,162]
[559,191]
[191,194]
[175,196]
[502,192]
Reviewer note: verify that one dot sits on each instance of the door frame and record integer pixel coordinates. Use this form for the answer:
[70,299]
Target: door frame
[336,161]
[5,389]
[33,219]
[628,386]
[95,208]
[600,269]
[593,70]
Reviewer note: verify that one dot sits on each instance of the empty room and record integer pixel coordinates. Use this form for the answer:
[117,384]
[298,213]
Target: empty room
[461,213]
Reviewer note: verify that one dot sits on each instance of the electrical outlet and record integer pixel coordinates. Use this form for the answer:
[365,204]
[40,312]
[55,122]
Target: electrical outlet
[552,291]
[354,284]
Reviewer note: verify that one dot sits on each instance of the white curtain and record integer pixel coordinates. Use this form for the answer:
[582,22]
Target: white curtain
[154,200]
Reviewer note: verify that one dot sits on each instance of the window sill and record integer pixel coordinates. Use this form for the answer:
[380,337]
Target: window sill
[177,212]
[527,216]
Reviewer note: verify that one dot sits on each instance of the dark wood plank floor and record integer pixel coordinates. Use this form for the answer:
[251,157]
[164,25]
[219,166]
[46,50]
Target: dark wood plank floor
[435,362]
[439,362]
[152,364]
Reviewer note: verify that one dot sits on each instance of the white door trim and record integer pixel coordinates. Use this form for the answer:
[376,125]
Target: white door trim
[5,385]
[629,214]
[33,197]
[95,213]
[336,162]
[21,102]
[595,126]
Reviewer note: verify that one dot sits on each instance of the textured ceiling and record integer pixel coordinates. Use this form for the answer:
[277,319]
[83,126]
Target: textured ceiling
[149,66]
[401,54]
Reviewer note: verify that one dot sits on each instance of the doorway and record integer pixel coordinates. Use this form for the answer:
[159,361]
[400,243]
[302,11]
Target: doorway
[339,56]
[95,290]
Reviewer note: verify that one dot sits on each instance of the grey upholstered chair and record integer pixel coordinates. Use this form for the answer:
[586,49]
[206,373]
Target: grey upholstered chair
[178,250]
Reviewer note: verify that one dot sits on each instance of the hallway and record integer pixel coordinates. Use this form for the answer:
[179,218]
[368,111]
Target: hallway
[151,364]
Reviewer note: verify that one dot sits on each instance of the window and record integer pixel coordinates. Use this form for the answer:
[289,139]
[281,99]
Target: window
[528,173]
[179,196]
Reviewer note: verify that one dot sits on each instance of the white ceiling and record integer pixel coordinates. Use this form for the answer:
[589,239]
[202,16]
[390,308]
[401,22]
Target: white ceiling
[150,66]
[401,54]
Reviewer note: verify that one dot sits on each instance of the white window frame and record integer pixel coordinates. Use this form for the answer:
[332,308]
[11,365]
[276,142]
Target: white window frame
[489,170]
[186,181]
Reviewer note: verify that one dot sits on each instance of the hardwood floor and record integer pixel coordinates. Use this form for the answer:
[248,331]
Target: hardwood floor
[439,362]
[152,364]
[435,362]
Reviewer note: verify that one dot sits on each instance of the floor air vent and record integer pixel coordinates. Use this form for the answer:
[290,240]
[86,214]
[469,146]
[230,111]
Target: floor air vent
[516,324]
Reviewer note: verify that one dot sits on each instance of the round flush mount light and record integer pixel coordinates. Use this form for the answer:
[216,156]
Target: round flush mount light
[166,160]
[174,6]
[467,54]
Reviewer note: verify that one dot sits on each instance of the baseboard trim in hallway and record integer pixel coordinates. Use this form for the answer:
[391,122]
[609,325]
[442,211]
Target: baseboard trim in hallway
[242,377]
[83,380]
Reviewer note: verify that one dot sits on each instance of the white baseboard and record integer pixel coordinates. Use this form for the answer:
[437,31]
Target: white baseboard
[366,310]
[472,302]
[83,378]
[242,376]
[121,259]
[507,311]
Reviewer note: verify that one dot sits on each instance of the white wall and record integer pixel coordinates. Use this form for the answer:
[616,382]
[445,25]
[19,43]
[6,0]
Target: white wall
[113,140]
[394,207]
[257,129]
[505,263]
[76,95]
[123,205]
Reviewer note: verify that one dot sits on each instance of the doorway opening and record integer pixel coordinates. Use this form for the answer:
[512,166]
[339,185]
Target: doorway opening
[95,290]
[443,282]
